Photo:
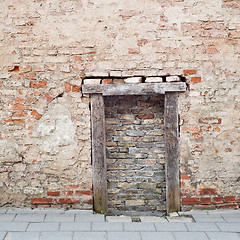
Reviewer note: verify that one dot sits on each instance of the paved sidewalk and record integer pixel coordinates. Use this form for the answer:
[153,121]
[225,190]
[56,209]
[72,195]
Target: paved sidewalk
[26,224]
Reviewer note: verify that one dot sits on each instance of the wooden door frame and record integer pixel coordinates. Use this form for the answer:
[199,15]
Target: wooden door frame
[172,152]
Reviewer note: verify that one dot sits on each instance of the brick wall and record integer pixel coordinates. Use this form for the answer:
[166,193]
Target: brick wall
[135,154]
[47,48]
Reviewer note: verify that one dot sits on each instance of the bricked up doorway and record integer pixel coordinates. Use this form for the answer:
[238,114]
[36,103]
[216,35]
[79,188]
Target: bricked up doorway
[135,147]
[97,93]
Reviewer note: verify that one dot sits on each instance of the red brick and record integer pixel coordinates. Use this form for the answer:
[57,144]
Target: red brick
[67,87]
[68,193]
[90,201]
[53,194]
[133,51]
[212,50]
[36,115]
[76,89]
[41,200]
[38,68]
[205,207]
[197,135]
[14,69]
[228,150]
[189,129]
[48,97]
[185,176]
[233,206]
[68,201]
[73,186]
[189,72]
[195,79]
[190,201]
[18,107]
[30,76]
[142,42]
[41,84]
[77,59]
[19,114]
[205,201]
[107,81]
[210,120]
[18,76]
[83,192]
[208,191]
[18,121]
[218,200]
[25,69]
[146,116]
[19,100]
[230,199]
[31,100]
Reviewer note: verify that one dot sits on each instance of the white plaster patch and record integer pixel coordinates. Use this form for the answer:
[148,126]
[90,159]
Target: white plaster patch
[57,131]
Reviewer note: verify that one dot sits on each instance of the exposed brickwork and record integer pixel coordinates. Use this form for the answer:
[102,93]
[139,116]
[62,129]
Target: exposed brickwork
[46,50]
[135,153]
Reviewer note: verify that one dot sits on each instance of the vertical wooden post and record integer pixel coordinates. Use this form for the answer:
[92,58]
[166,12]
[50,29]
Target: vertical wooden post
[172,152]
[99,154]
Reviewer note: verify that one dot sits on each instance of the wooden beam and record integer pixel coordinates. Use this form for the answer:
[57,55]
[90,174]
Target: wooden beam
[99,154]
[134,89]
[172,152]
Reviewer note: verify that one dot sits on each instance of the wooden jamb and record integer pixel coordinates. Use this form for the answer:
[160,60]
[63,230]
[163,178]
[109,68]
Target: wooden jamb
[99,154]
[172,152]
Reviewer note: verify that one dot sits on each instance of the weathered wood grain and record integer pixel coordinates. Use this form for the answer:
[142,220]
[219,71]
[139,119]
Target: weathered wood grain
[134,89]
[99,154]
[172,152]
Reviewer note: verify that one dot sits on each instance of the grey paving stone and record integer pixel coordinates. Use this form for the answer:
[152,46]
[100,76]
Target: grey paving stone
[2,235]
[202,227]
[3,210]
[157,236]
[138,226]
[152,219]
[13,226]
[234,214]
[179,219]
[90,236]
[232,219]
[82,226]
[170,227]
[107,226]
[118,219]
[80,212]
[7,217]
[229,227]
[90,218]
[190,236]
[22,236]
[209,219]
[56,235]
[29,217]
[24,210]
[59,217]
[222,236]
[123,236]
[43,227]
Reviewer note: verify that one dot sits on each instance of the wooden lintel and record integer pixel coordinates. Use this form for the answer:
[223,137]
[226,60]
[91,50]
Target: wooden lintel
[172,152]
[134,89]
[99,154]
